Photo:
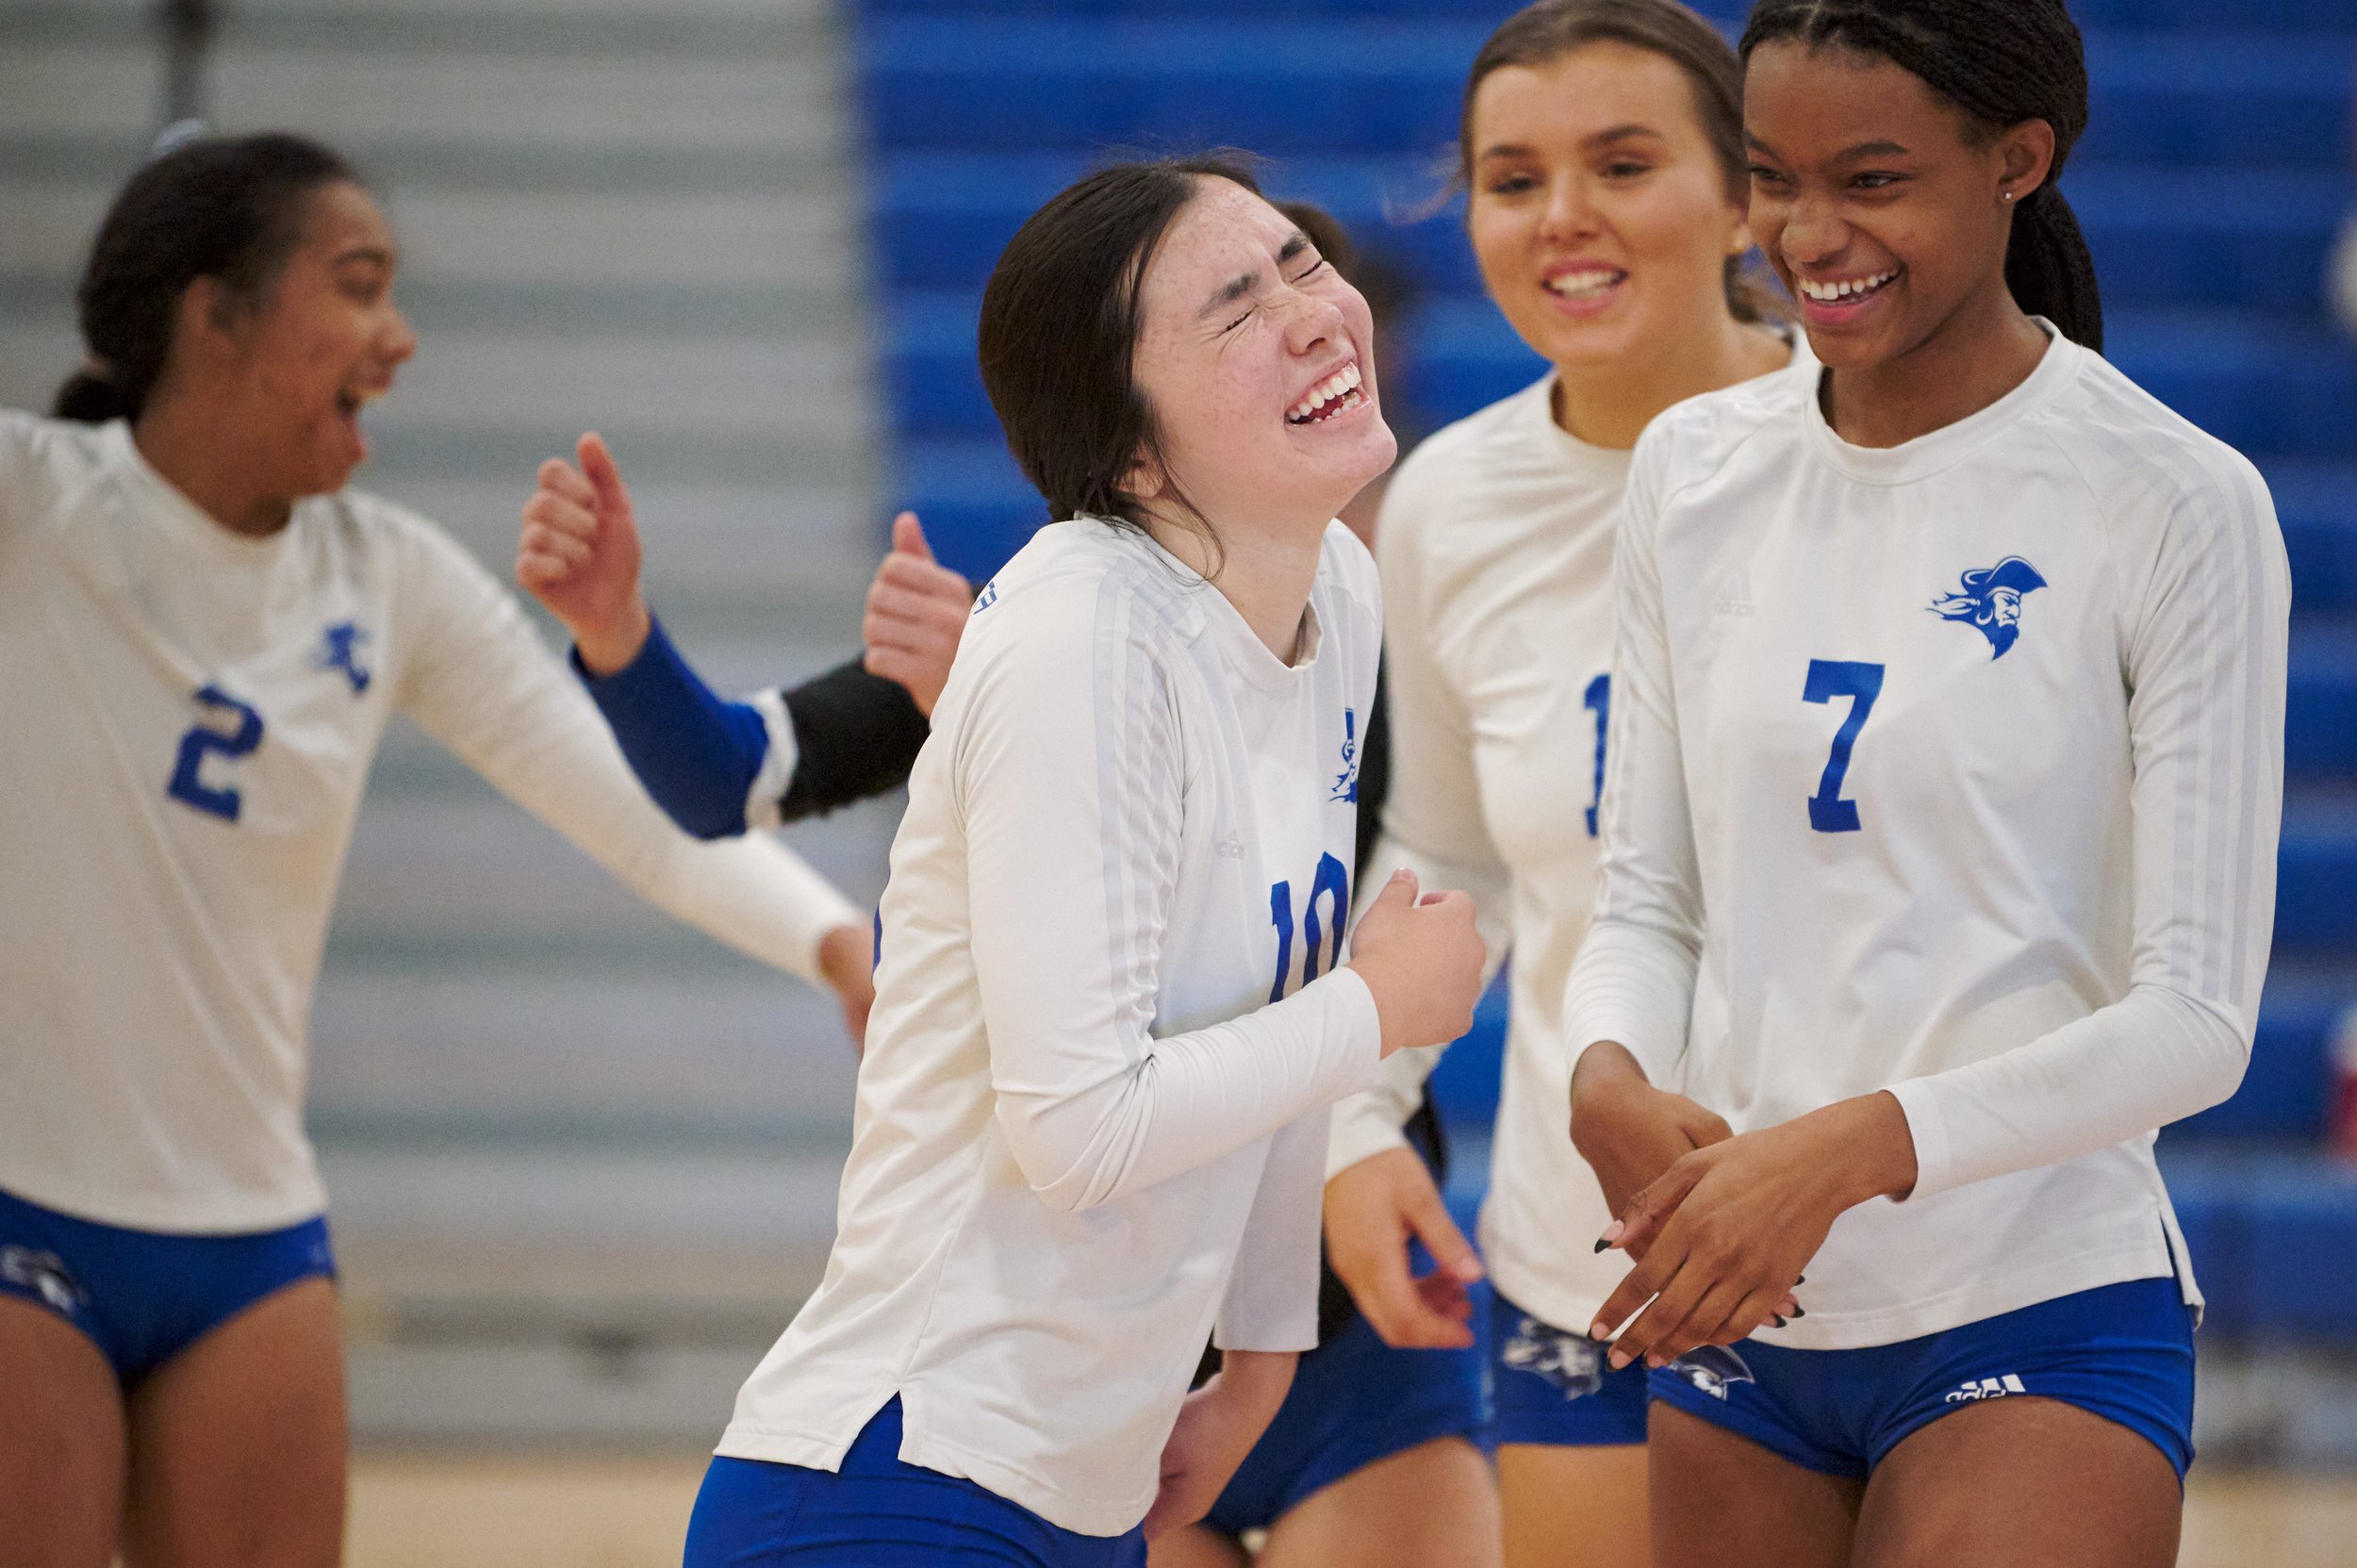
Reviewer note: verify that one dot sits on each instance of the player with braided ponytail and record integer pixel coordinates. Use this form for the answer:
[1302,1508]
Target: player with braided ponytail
[1939,832]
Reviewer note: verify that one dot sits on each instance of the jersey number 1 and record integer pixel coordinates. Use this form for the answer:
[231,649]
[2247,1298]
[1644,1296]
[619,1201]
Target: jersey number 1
[1333,882]
[1862,683]
[187,786]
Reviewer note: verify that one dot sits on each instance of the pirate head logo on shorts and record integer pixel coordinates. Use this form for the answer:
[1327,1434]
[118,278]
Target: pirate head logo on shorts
[1990,601]
[44,1274]
[1712,1368]
[1573,1362]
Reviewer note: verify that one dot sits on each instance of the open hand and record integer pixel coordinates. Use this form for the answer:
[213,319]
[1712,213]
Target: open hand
[1215,1430]
[916,611]
[579,556]
[1373,1210]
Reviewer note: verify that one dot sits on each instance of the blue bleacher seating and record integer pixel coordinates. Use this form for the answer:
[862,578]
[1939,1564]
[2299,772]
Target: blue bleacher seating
[2214,174]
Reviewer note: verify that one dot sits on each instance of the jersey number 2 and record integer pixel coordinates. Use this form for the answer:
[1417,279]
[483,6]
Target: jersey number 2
[1862,683]
[1333,884]
[188,786]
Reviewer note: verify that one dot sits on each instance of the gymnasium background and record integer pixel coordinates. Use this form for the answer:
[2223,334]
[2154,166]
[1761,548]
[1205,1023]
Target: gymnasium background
[582,1161]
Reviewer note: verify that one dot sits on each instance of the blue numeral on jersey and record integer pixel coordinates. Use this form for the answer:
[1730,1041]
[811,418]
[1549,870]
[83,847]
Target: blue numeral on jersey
[1333,886]
[1827,679]
[186,786]
[1599,701]
[1280,910]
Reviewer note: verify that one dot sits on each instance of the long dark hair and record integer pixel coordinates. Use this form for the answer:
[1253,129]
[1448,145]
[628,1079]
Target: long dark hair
[1059,329]
[1540,34]
[2001,62]
[226,208]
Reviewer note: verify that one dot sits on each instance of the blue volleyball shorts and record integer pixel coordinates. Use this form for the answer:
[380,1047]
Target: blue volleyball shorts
[144,1296]
[1552,1389]
[1354,1400]
[2123,1352]
[878,1511]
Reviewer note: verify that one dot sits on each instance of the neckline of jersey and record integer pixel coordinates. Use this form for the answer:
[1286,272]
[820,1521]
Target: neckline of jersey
[1943,449]
[1242,646]
[172,512]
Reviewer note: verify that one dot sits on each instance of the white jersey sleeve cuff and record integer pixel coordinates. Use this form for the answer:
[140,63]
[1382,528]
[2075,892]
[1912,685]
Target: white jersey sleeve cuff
[1935,1162]
[777,768]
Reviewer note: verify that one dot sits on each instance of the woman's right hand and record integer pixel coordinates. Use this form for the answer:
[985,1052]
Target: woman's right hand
[1629,1132]
[579,556]
[1421,958]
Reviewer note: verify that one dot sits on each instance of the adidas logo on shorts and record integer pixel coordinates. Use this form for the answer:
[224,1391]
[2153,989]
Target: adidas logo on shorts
[1987,1388]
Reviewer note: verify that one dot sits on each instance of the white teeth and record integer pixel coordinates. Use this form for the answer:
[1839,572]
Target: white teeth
[1828,293]
[1340,383]
[1573,284]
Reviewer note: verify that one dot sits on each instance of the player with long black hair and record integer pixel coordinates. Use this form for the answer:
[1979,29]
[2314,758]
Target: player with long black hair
[203,634]
[1939,827]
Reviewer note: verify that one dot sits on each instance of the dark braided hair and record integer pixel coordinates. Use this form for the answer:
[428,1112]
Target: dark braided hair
[226,208]
[2000,61]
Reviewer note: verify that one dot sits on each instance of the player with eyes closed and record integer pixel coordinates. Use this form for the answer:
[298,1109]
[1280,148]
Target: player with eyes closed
[207,632]
[1111,1005]
[1600,149]
[1939,831]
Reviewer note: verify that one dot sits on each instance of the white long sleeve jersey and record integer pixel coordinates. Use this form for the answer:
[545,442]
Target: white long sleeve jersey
[1953,769]
[193,713]
[1089,1132]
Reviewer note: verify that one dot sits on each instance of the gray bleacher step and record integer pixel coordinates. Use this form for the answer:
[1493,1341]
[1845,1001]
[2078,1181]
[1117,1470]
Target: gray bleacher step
[789,559]
[478,867]
[615,1223]
[581,1055]
[108,89]
[781,104]
[814,388]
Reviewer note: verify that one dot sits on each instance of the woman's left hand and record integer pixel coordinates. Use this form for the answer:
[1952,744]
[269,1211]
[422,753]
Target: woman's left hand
[1727,1231]
[1216,1429]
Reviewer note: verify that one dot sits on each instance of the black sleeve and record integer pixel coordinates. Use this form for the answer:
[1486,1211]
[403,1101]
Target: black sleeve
[855,735]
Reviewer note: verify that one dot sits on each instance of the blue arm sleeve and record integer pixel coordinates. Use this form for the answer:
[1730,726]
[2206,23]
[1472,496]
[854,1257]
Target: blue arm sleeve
[696,752]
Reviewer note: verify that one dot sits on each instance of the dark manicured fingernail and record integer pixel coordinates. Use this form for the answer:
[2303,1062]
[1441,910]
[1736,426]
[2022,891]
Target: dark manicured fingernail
[1799,1312]
[1782,1321]
[1603,1246]
[1801,1281]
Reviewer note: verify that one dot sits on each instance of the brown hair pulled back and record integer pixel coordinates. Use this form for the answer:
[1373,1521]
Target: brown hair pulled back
[1060,330]
[1540,34]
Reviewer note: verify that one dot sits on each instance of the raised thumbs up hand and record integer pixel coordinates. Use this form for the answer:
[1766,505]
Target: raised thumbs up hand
[916,611]
[579,556]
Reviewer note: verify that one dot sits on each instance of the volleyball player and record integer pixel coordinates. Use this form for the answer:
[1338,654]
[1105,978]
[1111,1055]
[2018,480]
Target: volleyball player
[1940,821]
[203,634]
[1111,1009]
[1601,151]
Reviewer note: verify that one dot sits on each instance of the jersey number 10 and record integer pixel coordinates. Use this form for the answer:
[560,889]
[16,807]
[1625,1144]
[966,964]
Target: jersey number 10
[1333,884]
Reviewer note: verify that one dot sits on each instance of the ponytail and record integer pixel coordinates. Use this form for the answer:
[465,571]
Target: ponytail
[2049,268]
[223,208]
[2002,62]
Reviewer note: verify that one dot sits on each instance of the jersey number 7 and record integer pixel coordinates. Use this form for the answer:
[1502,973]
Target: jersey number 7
[1828,679]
